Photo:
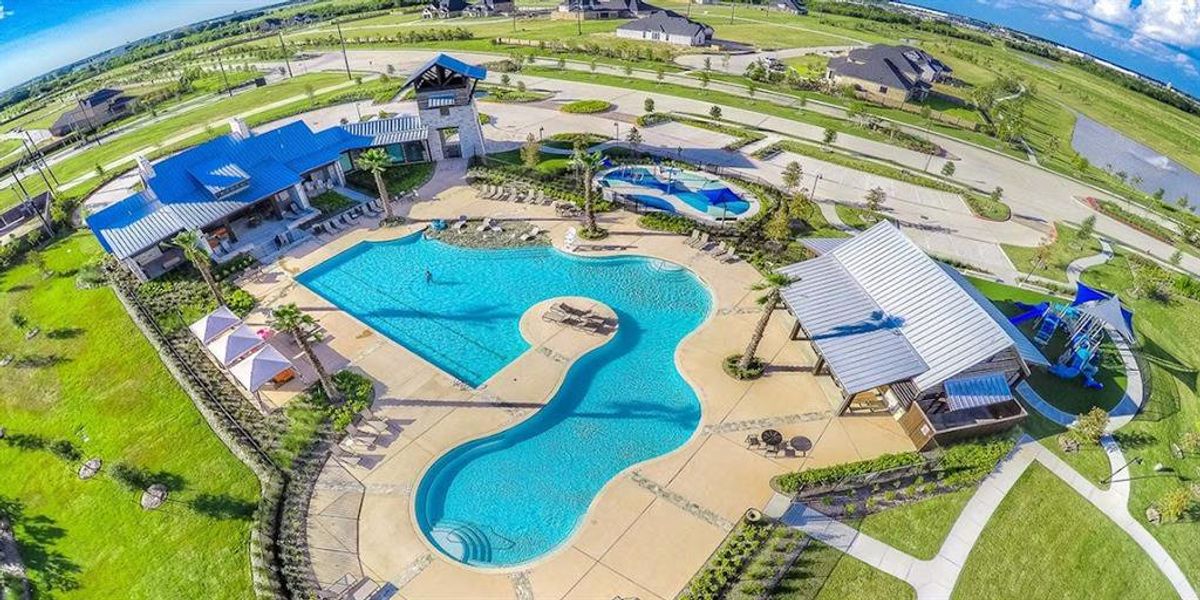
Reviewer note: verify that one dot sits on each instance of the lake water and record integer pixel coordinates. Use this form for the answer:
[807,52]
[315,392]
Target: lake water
[1105,146]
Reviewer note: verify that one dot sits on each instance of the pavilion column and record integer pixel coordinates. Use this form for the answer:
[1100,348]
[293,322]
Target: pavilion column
[797,333]
[820,366]
[229,228]
[301,196]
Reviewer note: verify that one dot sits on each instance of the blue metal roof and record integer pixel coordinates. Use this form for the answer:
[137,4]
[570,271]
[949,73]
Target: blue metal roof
[976,391]
[447,62]
[196,187]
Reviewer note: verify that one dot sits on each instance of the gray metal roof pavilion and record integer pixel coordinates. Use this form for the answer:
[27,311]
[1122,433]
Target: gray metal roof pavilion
[880,311]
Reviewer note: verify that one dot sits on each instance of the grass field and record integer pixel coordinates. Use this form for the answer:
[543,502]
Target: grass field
[1046,541]
[919,528]
[90,378]
[824,573]
[1065,248]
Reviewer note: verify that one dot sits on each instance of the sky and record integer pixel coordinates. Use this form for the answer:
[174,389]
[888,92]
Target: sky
[37,36]
[1159,38]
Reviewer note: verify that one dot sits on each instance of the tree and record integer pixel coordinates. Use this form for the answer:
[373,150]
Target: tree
[648,105]
[588,163]
[792,173]
[830,135]
[310,91]
[751,87]
[530,152]
[592,65]
[1087,227]
[1176,257]
[18,320]
[772,285]
[779,228]
[521,86]
[303,329]
[875,197]
[627,70]
[376,160]
[505,79]
[1090,426]
[562,63]
[707,63]
[1041,254]
[189,242]
[704,79]
[997,194]
[715,112]
[1176,503]
[1182,201]
[634,137]
[948,169]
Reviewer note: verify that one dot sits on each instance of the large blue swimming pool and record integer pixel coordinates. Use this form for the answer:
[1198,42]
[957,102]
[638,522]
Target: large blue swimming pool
[514,496]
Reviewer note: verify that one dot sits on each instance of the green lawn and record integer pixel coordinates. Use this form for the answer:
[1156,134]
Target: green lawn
[398,179]
[1046,541]
[858,218]
[90,378]
[918,528]
[1065,248]
[825,573]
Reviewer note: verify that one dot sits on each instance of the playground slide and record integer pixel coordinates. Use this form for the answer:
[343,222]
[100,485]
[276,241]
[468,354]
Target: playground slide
[1090,383]
[1033,311]
[1064,371]
[1046,330]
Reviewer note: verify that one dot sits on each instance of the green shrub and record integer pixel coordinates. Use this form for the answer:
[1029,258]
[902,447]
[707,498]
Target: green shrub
[1176,504]
[669,222]
[792,482]
[586,107]
[240,302]
[358,392]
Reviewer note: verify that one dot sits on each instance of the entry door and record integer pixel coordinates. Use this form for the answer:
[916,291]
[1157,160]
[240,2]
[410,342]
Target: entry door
[451,144]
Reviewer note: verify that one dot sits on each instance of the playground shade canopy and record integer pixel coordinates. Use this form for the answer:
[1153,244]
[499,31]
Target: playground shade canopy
[880,311]
[235,344]
[212,325]
[973,392]
[1109,312]
[259,368]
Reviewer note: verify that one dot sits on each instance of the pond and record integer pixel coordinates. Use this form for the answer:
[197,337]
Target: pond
[1104,146]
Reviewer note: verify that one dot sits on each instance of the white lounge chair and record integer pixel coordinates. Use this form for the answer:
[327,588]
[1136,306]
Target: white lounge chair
[486,225]
[701,241]
[533,233]
[695,237]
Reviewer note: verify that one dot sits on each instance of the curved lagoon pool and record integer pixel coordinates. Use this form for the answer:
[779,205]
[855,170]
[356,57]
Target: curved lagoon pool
[514,496]
[677,190]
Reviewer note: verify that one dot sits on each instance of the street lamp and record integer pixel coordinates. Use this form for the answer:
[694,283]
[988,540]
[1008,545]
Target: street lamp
[816,180]
[617,129]
[541,133]
[1108,480]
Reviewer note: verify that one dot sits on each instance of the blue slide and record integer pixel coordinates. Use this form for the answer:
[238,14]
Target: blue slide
[1032,311]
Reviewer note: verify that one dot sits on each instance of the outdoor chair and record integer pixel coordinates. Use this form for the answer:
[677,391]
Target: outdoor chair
[460,224]
[486,225]
[533,233]
[692,239]
[752,441]
[560,318]
[730,256]
[359,438]
[702,241]
[719,251]
[772,449]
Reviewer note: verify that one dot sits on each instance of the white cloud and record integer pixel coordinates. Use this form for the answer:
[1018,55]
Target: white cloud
[1174,22]
[4,13]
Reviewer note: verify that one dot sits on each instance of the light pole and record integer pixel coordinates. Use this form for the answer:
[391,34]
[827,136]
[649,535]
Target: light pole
[617,129]
[1136,461]
[283,48]
[816,180]
[541,133]
[345,57]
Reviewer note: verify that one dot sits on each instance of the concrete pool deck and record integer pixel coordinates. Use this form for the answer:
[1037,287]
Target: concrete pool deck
[651,527]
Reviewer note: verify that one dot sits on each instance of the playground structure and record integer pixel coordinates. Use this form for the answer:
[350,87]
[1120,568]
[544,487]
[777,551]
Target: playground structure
[1087,318]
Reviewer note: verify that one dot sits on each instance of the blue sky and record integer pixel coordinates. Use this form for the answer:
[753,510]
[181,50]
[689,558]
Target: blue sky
[41,35]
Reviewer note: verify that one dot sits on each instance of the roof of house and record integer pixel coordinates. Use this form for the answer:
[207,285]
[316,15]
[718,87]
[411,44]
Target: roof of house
[448,5]
[100,96]
[449,63]
[633,6]
[667,22]
[880,311]
[205,183]
[903,67]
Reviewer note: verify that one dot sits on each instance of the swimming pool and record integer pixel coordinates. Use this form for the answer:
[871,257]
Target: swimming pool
[514,496]
[670,189]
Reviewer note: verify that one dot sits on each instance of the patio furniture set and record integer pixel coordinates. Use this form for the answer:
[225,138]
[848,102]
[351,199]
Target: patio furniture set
[492,225]
[516,194]
[586,321]
[721,251]
[362,434]
[348,218]
[772,442]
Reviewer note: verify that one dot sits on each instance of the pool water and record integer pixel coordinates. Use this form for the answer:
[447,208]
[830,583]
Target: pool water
[705,194]
[514,496]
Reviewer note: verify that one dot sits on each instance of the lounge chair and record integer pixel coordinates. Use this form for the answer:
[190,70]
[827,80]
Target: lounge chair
[702,241]
[719,251]
[533,233]
[731,256]
[359,438]
[460,224]
[485,226]
[571,310]
[695,237]
[561,318]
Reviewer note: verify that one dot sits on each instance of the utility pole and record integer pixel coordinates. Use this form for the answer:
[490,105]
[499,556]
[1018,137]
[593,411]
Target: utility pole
[34,161]
[732,9]
[32,147]
[287,62]
[345,57]
[224,78]
[29,202]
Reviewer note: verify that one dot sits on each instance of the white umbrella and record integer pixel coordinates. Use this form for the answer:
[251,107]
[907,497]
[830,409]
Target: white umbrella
[234,345]
[259,368]
[214,324]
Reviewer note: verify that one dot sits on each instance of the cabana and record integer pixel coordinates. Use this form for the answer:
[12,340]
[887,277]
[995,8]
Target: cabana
[902,333]
[267,365]
[235,344]
[215,323]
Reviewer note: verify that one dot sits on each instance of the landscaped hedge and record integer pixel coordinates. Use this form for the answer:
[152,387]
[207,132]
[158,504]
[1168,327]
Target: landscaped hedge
[793,482]
[568,140]
[669,222]
[727,562]
[586,107]
[358,392]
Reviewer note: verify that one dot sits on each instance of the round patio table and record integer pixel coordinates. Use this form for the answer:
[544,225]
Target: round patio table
[771,437]
[801,444]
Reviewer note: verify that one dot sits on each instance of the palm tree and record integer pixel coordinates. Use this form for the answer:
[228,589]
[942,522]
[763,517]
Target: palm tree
[302,327]
[772,285]
[189,242]
[588,163]
[376,160]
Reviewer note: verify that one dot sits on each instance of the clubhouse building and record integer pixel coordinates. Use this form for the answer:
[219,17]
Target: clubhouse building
[252,193]
[902,333]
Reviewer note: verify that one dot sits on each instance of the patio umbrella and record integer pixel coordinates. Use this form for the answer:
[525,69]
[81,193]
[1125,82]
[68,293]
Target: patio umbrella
[259,368]
[212,325]
[234,344]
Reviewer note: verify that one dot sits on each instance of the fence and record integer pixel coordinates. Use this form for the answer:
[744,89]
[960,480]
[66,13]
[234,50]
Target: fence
[916,109]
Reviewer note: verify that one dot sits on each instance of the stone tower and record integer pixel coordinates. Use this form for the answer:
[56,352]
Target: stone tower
[445,89]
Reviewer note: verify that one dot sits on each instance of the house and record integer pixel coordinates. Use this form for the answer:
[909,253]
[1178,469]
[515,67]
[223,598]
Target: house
[900,332]
[602,9]
[796,7]
[444,9]
[489,8]
[96,110]
[666,26]
[900,73]
[251,193]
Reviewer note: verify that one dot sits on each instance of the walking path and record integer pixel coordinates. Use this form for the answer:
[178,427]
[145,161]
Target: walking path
[829,211]
[1079,265]
[935,579]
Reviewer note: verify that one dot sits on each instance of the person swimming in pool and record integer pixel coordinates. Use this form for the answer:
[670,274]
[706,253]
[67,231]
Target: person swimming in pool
[428,276]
